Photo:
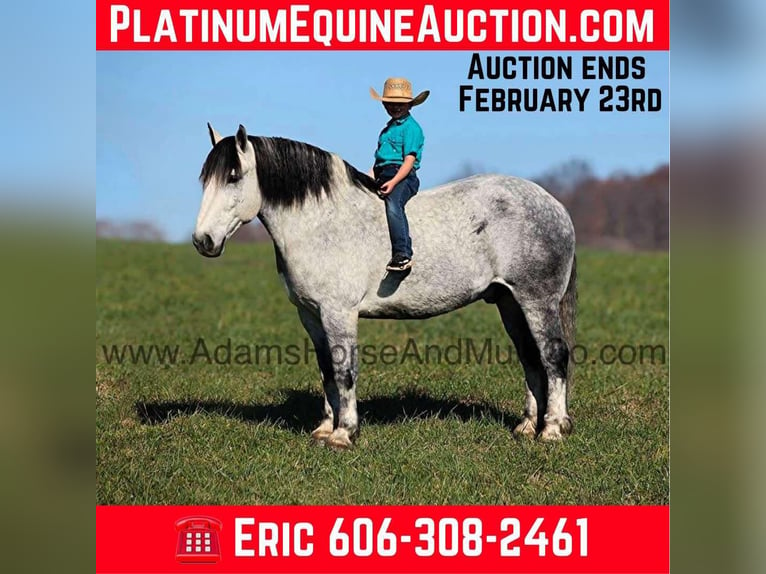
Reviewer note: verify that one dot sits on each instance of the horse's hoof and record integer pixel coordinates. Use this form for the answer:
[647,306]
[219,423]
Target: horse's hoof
[556,431]
[323,431]
[319,436]
[340,439]
[551,433]
[525,429]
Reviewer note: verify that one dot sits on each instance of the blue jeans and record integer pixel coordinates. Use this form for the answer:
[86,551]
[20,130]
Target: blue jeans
[398,228]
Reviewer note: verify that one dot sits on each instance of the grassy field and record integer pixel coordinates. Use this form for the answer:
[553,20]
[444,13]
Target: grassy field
[200,433]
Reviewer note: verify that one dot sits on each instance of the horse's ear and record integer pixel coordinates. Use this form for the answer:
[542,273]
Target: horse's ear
[215,137]
[242,138]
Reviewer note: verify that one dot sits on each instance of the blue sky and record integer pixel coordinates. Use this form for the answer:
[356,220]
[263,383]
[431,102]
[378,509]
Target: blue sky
[152,108]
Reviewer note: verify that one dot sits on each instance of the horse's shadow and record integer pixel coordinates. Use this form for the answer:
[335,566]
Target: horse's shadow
[299,411]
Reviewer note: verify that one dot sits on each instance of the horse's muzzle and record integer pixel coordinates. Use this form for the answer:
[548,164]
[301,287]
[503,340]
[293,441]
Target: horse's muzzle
[206,246]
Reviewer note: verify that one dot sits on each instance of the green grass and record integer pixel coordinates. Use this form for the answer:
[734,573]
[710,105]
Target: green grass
[432,434]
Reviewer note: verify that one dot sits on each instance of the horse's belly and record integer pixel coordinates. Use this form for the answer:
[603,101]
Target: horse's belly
[393,311]
[404,304]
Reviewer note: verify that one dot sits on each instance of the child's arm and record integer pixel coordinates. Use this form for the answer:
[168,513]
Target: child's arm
[403,172]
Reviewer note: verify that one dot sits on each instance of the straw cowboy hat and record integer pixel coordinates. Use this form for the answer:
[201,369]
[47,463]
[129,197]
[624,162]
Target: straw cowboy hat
[399,91]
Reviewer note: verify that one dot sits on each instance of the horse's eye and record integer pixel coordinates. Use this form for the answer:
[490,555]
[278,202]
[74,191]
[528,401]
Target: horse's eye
[233,178]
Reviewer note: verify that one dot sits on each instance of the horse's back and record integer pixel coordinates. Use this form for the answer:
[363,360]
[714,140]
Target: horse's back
[469,234]
[502,207]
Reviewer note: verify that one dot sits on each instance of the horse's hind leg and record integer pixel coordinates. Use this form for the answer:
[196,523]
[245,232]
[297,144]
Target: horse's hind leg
[314,329]
[545,326]
[516,326]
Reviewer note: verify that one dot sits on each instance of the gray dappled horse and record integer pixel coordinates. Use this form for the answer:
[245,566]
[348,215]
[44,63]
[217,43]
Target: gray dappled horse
[501,239]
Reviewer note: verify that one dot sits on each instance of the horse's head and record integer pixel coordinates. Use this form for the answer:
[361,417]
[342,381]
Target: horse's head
[230,194]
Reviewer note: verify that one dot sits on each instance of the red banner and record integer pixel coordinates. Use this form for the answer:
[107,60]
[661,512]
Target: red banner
[592,25]
[478,539]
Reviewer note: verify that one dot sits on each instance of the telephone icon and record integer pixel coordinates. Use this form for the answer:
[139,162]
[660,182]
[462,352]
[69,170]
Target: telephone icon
[198,539]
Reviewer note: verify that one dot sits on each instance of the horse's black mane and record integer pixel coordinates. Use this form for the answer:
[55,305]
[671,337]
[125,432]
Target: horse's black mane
[288,171]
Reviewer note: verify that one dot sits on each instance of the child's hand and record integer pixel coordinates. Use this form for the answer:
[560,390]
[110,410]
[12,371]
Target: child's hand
[387,187]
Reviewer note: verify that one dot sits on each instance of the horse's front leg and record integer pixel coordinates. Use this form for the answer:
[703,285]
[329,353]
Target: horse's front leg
[340,326]
[314,328]
[334,336]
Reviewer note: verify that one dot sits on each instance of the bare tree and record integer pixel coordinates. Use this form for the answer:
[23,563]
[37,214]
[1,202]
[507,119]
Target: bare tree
[566,177]
[466,169]
[138,230]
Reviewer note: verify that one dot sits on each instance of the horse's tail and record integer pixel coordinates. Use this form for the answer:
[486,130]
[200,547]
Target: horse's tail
[568,314]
